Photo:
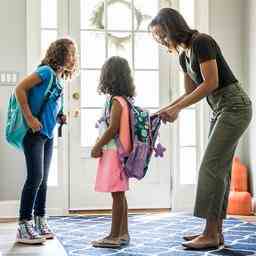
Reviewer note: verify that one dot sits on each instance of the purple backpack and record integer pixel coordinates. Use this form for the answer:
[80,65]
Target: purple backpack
[144,133]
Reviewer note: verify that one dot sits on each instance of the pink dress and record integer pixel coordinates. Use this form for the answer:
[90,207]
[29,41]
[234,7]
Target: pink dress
[110,175]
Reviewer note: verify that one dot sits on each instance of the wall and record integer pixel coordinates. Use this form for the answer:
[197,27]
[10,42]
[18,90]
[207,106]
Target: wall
[250,59]
[232,23]
[13,57]
[226,25]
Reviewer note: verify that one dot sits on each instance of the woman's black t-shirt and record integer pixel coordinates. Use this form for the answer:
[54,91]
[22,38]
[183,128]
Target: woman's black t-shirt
[203,48]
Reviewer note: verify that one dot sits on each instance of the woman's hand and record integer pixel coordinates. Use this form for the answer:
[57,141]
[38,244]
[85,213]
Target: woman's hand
[34,124]
[96,152]
[170,114]
[62,119]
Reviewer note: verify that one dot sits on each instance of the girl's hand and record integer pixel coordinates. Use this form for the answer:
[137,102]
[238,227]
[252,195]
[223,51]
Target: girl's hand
[34,124]
[96,152]
[62,119]
[170,114]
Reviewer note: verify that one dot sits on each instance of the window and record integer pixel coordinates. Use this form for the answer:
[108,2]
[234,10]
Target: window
[188,142]
[110,28]
[49,28]
[115,28]
[49,32]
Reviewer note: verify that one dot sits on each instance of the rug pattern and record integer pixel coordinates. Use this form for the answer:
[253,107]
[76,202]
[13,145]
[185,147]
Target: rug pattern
[156,235]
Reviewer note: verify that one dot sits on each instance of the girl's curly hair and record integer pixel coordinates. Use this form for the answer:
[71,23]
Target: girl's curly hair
[62,53]
[116,78]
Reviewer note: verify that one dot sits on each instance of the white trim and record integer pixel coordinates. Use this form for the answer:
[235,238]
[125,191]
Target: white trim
[183,195]
[33,19]
[57,195]
[10,210]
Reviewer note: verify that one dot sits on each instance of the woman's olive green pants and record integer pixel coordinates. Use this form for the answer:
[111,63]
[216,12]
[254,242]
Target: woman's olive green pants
[232,113]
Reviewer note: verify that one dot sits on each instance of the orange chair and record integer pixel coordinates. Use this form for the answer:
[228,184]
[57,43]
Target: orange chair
[239,177]
[240,200]
[240,203]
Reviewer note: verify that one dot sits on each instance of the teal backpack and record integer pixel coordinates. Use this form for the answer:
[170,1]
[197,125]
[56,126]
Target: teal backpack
[144,132]
[16,126]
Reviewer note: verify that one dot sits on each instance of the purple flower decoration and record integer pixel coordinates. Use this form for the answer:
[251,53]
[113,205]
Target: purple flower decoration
[102,119]
[159,150]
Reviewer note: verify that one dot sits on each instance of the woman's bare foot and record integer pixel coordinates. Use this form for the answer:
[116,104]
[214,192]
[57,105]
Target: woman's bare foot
[191,237]
[203,242]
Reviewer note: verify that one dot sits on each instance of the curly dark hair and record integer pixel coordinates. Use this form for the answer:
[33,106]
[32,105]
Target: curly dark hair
[116,78]
[174,26]
[62,53]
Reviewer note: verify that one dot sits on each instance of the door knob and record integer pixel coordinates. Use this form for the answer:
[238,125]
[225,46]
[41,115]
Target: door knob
[76,95]
[76,113]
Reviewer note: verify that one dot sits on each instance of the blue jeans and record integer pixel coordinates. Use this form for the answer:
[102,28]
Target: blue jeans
[38,154]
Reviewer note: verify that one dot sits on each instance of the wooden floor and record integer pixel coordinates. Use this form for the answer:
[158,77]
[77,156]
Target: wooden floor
[8,247]
[250,219]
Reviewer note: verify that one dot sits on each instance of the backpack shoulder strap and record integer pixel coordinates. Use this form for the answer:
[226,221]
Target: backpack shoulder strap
[121,100]
[49,87]
[46,95]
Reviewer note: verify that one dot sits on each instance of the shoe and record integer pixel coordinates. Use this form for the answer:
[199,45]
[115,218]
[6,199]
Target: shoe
[42,227]
[192,237]
[26,234]
[197,244]
[107,243]
[125,241]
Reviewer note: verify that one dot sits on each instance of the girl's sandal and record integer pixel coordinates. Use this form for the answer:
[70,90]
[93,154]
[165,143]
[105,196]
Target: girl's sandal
[107,243]
[125,241]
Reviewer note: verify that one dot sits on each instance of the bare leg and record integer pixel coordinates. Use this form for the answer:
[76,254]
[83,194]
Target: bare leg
[124,234]
[220,224]
[118,209]
[212,228]
[208,229]
[210,237]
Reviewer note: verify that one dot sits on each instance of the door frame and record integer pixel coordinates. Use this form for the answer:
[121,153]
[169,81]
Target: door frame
[58,196]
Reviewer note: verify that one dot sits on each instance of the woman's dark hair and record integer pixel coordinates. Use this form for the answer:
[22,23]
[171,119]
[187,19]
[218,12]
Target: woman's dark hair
[116,78]
[58,54]
[174,26]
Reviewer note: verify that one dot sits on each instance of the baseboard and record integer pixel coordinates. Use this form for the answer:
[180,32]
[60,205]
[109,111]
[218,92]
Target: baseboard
[10,210]
[108,212]
[254,205]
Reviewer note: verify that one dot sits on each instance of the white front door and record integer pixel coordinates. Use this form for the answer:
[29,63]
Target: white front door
[103,29]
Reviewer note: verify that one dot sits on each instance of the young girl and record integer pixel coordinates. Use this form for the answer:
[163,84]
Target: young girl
[117,83]
[59,63]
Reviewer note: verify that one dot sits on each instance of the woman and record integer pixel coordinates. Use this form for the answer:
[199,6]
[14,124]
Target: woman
[207,75]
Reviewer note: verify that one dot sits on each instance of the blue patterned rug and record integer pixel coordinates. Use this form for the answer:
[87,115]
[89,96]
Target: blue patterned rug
[159,235]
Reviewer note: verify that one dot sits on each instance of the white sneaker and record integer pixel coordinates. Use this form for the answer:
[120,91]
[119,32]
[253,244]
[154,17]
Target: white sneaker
[26,234]
[42,227]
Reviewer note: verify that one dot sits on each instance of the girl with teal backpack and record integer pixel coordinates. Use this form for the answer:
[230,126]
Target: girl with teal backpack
[34,110]
[127,136]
